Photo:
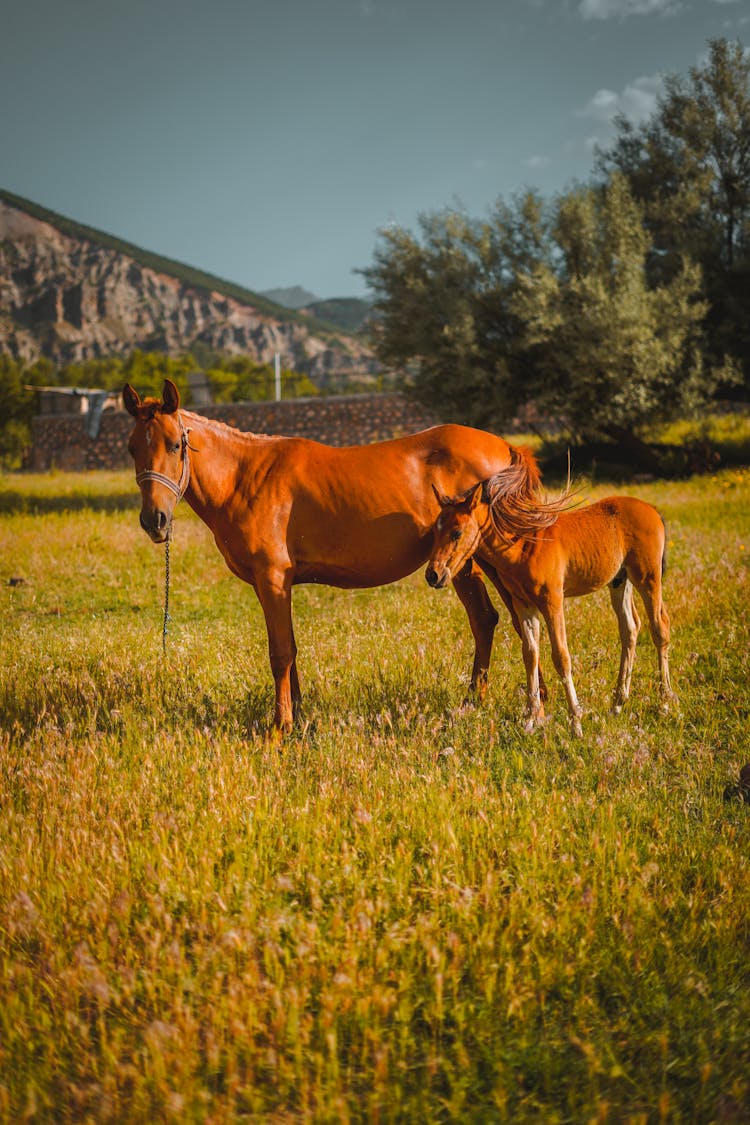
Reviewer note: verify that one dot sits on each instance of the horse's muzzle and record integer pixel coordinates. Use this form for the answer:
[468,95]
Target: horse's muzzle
[437,581]
[156,524]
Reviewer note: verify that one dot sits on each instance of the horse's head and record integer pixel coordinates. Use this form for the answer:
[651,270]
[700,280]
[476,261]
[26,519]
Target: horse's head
[159,448]
[457,534]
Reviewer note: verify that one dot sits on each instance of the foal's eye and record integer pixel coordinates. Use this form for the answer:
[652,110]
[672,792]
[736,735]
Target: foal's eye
[455,536]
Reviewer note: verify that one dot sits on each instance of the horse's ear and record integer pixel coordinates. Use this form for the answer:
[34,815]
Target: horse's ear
[441,498]
[131,400]
[170,397]
[474,496]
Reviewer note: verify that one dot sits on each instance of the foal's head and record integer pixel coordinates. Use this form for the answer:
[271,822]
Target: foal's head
[158,446]
[457,533]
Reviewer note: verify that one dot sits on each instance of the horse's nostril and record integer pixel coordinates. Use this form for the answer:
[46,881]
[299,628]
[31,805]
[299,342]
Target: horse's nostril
[431,576]
[154,521]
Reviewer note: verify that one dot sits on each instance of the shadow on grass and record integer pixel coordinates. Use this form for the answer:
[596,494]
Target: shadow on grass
[13,503]
[703,449]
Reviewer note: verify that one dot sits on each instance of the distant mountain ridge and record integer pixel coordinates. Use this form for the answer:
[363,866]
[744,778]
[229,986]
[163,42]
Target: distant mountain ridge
[349,313]
[295,297]
[70,292]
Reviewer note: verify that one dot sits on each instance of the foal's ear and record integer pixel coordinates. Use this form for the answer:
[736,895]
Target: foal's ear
[443,500]
[170,397]
[474,496]
[131,400]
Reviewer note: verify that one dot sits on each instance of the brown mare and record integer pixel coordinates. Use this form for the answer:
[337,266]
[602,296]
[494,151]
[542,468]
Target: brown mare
[288,510]
[544,554]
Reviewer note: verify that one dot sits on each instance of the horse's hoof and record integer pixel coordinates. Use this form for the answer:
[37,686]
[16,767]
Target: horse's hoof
[576,729]
[616,709]
[277,735]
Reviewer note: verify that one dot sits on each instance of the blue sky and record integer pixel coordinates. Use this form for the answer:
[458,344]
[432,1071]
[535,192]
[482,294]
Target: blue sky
[267,141]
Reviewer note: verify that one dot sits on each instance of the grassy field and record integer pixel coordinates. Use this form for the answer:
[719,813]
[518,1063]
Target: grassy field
[411,911]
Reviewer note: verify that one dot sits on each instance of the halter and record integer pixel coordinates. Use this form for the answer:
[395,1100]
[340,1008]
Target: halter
[180,488]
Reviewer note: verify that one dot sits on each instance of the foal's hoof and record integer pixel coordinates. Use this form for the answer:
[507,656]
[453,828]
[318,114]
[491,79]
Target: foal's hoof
[575,728]
[534,722]
[668,702]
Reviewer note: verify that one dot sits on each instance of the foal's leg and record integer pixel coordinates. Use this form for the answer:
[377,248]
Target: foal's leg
[275,594]
[629,623]
[649,587]
[530,627]
[483,618]
[497,582]
[554,612]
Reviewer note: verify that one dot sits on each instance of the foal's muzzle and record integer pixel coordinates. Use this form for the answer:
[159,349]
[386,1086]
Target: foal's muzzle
[437,581]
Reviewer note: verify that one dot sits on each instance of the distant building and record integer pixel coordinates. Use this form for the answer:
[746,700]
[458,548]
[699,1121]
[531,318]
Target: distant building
[77,400]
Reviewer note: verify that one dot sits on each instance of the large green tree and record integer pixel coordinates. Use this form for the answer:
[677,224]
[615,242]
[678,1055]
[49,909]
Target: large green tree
[609,351]
[689,166]
[444,306]
[552,306]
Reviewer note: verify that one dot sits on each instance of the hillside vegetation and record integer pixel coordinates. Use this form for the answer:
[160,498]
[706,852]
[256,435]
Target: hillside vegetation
[195,278]
[411,911]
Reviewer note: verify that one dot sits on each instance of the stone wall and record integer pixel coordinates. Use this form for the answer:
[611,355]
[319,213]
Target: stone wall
[62,442]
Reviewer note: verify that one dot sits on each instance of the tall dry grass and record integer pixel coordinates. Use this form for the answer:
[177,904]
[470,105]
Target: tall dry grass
[410,912]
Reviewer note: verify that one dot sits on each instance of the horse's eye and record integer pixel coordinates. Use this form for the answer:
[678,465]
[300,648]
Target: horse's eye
[455,536]
[174,447]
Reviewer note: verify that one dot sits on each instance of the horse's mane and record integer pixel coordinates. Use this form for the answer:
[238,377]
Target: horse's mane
[513,496]
[224,429]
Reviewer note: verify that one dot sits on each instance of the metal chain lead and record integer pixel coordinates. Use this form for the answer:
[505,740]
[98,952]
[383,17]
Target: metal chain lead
[166,597]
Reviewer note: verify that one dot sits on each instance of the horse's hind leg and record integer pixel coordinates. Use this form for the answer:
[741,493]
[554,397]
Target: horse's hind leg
[649,587]
[483,618]
[621,596]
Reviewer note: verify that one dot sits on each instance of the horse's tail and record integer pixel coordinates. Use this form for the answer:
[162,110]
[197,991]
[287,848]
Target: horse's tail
[664,548]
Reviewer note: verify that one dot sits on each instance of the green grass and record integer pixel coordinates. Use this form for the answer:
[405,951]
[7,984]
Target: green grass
[411,911]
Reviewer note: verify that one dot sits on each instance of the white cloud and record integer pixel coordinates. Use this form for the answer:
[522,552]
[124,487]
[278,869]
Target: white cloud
[637,101]
[537,162]
[621,9]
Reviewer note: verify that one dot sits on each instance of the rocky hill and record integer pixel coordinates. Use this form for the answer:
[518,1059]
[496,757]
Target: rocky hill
[72,293]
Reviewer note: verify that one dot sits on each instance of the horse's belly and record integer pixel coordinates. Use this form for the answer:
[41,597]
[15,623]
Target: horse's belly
[351,575]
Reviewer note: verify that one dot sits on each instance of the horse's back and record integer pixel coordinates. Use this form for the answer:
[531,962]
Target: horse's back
[363,515]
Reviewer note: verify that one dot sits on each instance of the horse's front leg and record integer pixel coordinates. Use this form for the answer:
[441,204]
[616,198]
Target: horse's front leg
[483,618]
[504,593]
[528,617]
[554,613]
[275,595]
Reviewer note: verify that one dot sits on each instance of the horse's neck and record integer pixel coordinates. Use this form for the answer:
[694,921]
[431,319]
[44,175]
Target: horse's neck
[507,551]
[218,456]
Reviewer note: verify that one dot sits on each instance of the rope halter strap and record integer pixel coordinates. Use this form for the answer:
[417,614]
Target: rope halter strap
[179,488]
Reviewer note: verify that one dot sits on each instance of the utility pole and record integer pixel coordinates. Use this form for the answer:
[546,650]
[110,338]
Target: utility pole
[277,366]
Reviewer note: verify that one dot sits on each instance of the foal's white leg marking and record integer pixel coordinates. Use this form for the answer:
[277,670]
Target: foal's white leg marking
[629,625]
[561,660]
[658,620]
[529,619]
